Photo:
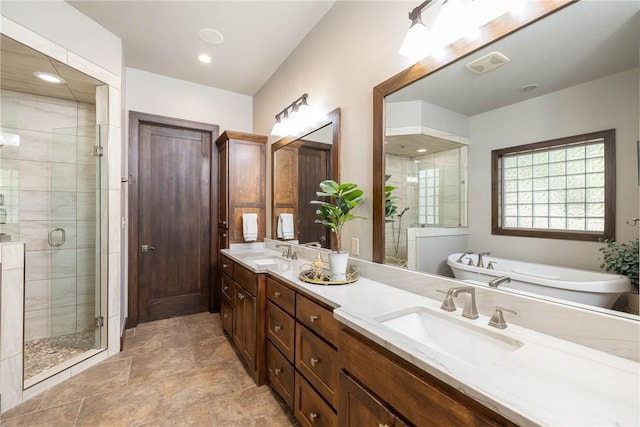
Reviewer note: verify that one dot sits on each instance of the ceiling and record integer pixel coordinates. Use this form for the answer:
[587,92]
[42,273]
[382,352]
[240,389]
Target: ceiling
[19,62]
[583,42]
[162,36]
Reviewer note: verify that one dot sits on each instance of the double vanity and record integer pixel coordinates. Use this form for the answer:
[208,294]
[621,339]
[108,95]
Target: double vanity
[371,353]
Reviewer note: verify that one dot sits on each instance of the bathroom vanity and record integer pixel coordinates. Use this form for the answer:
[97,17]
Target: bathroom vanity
[393,357]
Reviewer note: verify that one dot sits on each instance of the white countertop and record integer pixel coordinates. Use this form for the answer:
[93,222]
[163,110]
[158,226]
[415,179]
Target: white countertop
[547,381]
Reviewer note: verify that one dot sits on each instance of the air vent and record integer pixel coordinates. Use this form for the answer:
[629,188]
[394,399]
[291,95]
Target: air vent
[489,62]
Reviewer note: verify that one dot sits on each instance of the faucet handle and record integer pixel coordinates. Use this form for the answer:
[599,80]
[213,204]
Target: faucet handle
[447,303]
[497,320]
[491,264]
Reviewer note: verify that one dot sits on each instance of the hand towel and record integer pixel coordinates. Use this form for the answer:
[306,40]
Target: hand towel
[285,226]
[250,227]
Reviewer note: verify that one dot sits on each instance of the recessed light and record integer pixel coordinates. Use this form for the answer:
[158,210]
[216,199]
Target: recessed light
[205,59]
[48,77]
[211,36]
[421,150]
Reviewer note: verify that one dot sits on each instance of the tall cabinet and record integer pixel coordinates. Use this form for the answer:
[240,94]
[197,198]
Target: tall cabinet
[241,189]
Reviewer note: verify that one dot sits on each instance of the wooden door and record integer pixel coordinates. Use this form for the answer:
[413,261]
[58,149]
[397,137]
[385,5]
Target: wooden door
[250,336]
[170,233]
[315,162]
[223,179]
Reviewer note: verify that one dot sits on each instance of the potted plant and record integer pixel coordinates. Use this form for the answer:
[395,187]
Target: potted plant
[333,213]
[622,258]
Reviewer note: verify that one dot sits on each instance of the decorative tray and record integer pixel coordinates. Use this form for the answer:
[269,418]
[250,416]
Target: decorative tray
[309,275]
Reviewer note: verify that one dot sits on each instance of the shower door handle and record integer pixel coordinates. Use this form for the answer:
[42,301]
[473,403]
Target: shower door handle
[50,237]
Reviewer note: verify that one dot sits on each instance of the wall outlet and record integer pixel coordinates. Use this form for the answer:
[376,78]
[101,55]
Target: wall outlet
[355,246]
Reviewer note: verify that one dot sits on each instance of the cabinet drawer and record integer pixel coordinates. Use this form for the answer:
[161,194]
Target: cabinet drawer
[318,362]
[227,289]
[226,314]
[281,374]
[281,329]
[246,278]
[317,318]
[283,296]
[226,265]
[310,409]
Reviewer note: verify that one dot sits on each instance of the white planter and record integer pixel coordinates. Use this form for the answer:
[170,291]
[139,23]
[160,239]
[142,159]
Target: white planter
[339,261]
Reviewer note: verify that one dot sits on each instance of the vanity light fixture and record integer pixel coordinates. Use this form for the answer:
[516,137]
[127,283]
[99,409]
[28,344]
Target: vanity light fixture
[294,118]
[48,77]
[450,21]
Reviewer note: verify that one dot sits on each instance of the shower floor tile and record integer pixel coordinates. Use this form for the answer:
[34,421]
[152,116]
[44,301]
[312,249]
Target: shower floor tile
[43,354]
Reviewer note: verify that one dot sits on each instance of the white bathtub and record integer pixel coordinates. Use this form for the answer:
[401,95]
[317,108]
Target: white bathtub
[582,286]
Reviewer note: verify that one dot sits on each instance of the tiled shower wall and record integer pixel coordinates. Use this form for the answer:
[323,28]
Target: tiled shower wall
[453,197]
[48,182]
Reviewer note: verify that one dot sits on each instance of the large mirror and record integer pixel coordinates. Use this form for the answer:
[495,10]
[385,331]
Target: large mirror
[568,73]
[298,166]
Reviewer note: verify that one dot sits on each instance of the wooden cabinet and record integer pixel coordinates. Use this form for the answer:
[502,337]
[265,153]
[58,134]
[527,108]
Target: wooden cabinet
[241,184]
[312,355]
[243,299]
[403,389]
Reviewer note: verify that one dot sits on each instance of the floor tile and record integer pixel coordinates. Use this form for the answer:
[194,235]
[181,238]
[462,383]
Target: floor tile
[59,416]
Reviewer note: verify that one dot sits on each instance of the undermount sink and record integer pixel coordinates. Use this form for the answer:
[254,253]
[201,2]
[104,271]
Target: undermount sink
[265,260]
[454,337]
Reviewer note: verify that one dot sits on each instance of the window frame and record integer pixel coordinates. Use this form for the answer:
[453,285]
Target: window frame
[609,139]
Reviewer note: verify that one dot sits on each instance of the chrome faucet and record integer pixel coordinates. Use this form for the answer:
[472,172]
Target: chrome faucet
[288,253]
[499,281]
[463,255]
[480,255]
[470,310]
[497,320]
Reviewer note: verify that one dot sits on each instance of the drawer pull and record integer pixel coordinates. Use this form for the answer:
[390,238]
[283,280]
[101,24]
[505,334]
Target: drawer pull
[313,416]
[224,316]
[240,295]
[314,361]
[277,294]
[225,288]
[313,318]
[277,328]
[225,266]
[383,425]
[277,371]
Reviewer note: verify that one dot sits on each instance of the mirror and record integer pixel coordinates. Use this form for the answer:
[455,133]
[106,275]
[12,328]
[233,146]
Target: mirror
[582,45]
[298,166]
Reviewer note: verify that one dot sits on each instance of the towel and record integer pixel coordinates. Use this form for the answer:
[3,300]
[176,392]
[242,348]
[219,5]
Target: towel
[285,226]
[250,227]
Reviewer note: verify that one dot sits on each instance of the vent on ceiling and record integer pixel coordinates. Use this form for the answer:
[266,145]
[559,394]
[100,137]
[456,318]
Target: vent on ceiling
[486,63]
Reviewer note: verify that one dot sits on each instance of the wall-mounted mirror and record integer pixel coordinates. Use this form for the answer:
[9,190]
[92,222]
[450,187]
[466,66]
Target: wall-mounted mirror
[298,166]
[572,72]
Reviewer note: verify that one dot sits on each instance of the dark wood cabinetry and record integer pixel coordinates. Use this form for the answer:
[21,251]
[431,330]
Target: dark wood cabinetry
[243,314]
[402,389]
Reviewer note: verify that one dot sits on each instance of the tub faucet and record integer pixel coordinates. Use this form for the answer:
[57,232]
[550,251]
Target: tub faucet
[470,310]
[499,281]
[480,255]
[463,255]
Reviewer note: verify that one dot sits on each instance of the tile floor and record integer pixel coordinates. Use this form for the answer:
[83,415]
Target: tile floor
[181,371]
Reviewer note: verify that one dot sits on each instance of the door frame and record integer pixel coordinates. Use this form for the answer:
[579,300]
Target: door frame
[136,119]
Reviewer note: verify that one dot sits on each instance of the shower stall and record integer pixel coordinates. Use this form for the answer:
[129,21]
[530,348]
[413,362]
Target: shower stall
[50,185]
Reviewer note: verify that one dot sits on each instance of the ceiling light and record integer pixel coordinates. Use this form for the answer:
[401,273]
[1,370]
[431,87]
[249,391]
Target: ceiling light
[210,35]
[421,150]
[204,58]
[48,77]
[528,88]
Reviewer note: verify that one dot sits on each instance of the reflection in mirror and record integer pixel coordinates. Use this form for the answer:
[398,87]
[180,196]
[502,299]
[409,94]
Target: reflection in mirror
[563,78]
[298,167]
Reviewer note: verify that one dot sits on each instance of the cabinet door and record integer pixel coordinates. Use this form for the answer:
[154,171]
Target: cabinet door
[223,185]
[238,315]
[226,313]
[250,335]
[359,408]
[223,238]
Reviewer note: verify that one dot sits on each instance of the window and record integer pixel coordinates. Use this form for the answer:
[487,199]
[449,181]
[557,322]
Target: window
[429,196]
[562,189]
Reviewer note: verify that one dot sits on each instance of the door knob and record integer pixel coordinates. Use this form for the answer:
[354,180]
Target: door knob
[146,248]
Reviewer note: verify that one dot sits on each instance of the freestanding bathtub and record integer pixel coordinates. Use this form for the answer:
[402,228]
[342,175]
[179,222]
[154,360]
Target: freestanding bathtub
[582,286]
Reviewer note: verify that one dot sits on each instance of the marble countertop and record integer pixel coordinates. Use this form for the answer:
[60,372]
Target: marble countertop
[546,381]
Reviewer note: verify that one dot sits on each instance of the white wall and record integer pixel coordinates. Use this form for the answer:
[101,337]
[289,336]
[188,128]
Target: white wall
[351,50]
[155,94]
[63,24]
[607,103]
